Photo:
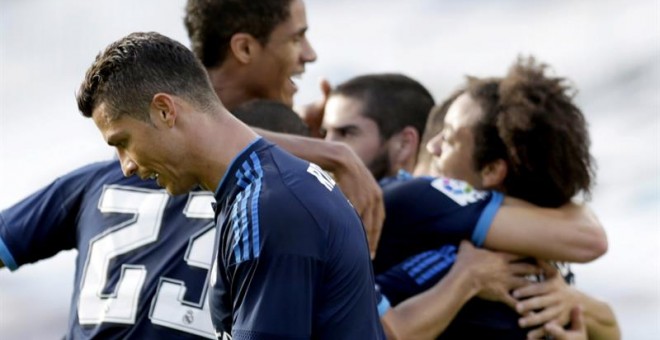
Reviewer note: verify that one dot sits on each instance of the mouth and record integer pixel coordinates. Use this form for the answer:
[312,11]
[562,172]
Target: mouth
[293,79]
[152,175]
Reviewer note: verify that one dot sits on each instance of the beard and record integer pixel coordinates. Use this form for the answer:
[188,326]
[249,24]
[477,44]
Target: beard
[380,165]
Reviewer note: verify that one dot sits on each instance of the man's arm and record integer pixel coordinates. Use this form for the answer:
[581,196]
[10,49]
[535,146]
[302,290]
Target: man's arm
[353,177]
[476,272]
[571,233]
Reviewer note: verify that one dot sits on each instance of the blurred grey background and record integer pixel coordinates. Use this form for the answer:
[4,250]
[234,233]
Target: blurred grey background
[609,48]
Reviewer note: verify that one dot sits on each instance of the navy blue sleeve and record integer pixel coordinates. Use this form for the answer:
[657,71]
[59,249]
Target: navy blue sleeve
[44,223]
[426,213]
[416,274]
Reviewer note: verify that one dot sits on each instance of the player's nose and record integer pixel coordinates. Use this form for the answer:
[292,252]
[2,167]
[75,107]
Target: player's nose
[128,167]
[308,53]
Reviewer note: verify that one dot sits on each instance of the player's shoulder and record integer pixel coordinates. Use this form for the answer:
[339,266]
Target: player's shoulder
[432,190]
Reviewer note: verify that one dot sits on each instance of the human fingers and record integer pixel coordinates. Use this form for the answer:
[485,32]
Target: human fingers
[556,331]
[377,217]
[536,303]
[508,300]
[521,268]
[325,86]
[537,333]
[578,330]
[532,289]
[531,319]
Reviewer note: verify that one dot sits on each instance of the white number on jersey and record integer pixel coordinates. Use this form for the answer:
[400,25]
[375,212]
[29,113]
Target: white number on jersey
[168,307]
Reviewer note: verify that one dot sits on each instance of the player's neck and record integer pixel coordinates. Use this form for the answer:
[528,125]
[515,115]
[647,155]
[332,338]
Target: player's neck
[220,141]
[229,86]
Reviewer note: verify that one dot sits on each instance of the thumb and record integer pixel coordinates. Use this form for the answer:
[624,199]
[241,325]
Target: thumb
[325,86]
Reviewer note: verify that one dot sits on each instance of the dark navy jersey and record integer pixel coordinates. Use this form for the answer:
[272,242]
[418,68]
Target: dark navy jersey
[143,256]
[427,213]
[428,217]
[293,260]
[477,319]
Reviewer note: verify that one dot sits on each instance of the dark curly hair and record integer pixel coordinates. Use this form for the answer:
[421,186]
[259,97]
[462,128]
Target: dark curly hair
[531,122]
[212,23]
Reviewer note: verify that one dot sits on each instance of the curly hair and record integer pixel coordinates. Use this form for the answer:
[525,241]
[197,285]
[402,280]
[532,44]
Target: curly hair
[531,122]
[130,71]
[212,23]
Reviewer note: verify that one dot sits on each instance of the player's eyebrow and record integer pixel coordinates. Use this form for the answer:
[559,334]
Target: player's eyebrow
[115,139]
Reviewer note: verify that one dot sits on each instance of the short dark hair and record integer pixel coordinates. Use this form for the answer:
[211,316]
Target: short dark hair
[130,71]
[531,122]
[271,115]
[212,23]
[393,101]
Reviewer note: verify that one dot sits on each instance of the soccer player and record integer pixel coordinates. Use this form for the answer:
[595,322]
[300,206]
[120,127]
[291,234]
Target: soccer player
[169,244]
[533,116]
[292,259]
[254,50]
[123,227]
[381,117]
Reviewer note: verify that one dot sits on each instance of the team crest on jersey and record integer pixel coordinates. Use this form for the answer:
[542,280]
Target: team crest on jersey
[460,192]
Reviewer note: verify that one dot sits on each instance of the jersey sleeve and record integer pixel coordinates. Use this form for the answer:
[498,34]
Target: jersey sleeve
[426,213]
[416,274]
[44,223]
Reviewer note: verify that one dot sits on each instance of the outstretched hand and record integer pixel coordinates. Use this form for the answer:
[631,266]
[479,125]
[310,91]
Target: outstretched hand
[312,113]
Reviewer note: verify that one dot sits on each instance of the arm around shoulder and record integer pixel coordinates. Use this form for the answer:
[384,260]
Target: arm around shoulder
[570,233]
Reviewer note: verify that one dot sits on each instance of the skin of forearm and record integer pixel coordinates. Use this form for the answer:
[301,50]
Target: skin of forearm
[428,314]
[328,155]
[568,234]
[599,317]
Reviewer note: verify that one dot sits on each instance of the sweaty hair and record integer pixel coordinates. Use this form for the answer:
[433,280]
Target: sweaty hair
[531,122]
[271,115]
[393,101]
[212,23]
[130,71]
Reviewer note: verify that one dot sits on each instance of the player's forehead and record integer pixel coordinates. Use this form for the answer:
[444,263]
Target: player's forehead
[463,113]
[341,109]
[112,128]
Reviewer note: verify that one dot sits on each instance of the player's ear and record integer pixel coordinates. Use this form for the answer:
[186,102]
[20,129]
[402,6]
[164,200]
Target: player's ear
[493,174]
[243,47]
[407,145]
[163,109]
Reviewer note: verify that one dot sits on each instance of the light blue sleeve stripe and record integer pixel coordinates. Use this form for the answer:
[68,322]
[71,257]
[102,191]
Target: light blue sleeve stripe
[383,306]
[6,257]
[486,219]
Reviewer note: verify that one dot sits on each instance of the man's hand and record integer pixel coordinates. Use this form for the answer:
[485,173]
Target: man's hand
[494,274]
[312,113]
[553,298]
[362,190]
[578,330]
